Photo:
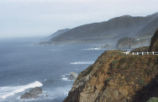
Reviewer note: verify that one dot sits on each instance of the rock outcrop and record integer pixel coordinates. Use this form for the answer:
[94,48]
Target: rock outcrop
[73,76]
[141,49]
[33,93]
[116,77]
[154,42]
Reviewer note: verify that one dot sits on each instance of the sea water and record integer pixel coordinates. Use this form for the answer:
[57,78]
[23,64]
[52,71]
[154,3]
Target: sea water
[24,64]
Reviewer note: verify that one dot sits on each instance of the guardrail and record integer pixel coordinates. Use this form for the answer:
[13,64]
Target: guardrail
[141,53]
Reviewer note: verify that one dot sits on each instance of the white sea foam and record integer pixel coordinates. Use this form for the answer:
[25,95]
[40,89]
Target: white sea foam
[93,49]
[12,90]
[66,77]
[58,92]
[82,62]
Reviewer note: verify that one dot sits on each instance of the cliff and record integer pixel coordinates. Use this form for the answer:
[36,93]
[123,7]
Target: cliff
[154,42]
[141,49]
[117,77]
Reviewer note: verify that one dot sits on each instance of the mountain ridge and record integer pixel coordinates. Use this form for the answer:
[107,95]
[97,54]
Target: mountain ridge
[114,28]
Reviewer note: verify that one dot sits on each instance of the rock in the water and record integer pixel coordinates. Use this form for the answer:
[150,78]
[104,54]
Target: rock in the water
[33,93]
[73,76]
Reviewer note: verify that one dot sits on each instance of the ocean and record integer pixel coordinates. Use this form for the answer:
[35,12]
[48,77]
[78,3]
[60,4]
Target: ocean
[24,64]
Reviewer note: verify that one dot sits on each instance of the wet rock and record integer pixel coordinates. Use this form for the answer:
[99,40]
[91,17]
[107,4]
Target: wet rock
[73,76]
[33,93]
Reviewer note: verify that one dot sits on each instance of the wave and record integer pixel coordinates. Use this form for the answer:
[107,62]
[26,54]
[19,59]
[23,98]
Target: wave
[82,62]
[93,49]
[66,77]
[12,90]
[58,94]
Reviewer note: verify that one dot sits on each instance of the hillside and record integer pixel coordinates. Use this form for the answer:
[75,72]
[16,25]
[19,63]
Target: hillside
[114,29]
[58,33]
[132,43]
[48,40]
[117,77]
[154,42]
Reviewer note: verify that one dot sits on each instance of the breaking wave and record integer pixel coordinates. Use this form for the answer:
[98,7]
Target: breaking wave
[82,62]
[12,90]
[93,49]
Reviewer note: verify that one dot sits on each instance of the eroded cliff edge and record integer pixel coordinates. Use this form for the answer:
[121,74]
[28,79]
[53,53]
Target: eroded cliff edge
[116,77]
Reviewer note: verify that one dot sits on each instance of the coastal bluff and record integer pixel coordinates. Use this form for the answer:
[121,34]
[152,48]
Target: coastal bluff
[117,77]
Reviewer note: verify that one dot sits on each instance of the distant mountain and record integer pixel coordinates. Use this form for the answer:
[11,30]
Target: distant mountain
[59,32]
[113,29]
[149,28]
[49,39]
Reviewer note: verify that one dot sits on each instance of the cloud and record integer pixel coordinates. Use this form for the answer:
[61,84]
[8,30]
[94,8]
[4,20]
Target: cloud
[34,17]
[48,1]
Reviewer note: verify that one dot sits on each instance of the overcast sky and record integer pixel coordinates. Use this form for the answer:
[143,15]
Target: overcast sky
[20,18]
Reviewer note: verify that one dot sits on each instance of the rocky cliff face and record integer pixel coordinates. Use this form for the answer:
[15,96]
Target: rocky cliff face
[116,77]
[154,42]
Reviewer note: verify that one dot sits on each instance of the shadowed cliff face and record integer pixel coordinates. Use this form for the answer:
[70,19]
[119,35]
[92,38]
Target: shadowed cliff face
[154,42]
[116,77]
[150,90]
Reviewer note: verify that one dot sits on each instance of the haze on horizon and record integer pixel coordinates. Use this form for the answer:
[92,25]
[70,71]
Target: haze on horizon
[24,18]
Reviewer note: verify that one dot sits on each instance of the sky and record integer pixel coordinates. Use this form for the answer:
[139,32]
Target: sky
[26,18]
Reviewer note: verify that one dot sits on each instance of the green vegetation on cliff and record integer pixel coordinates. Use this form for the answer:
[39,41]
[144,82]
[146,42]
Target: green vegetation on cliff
[153,99]
[141,49]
